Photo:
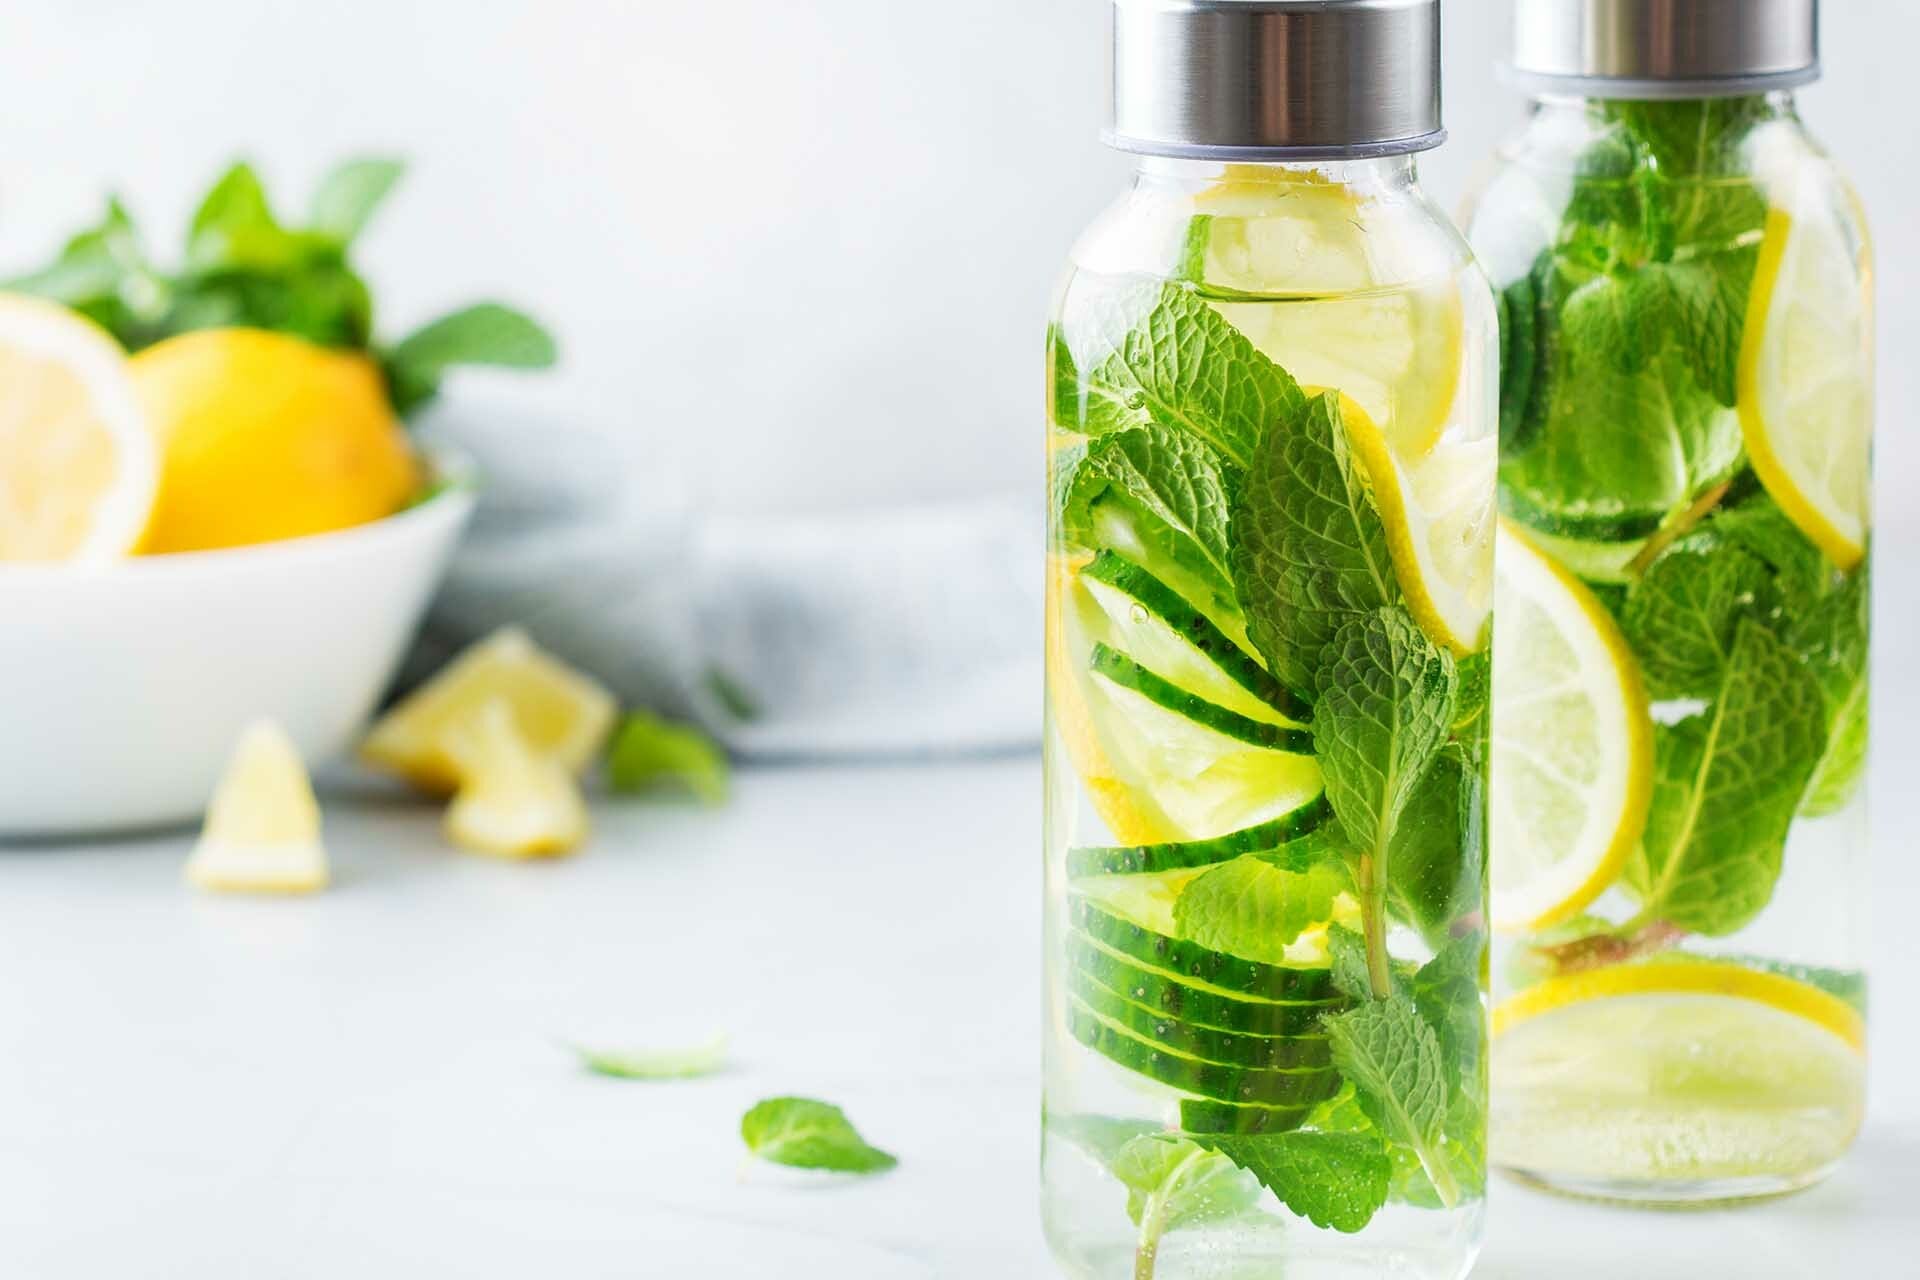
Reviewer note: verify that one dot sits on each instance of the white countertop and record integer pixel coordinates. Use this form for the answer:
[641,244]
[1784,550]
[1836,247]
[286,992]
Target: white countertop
[367,1084]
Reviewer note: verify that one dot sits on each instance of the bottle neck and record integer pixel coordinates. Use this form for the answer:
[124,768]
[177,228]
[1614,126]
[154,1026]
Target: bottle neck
[1377,175]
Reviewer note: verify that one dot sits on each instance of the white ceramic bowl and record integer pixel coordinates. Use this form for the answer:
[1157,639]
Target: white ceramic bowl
[123,688]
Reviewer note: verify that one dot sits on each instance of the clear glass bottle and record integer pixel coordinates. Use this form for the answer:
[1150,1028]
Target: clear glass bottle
[1271,459]
[1678,823]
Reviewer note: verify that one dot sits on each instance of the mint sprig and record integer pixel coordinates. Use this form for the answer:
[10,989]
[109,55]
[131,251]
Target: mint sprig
[1249,907]
[1393,1058]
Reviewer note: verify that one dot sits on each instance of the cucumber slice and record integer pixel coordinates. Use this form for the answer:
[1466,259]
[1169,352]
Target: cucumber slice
[1277,1053]
[1198,1006]
[1156,624]
[1206,1116]
[1192,961]
[1215,1080]
[1141,859]
[1110,664]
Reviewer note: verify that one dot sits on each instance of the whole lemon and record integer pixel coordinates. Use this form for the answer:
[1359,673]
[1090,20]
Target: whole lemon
[265,436]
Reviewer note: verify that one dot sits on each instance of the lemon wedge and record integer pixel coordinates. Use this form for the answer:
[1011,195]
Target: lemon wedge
[558,712]
[78,465]
[262,832]
[1438,509]
[1804,383]
[514,800]
[1676,1070]
[1572,742]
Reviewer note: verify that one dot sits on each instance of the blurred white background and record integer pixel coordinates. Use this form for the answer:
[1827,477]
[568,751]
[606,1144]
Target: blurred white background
[799,250]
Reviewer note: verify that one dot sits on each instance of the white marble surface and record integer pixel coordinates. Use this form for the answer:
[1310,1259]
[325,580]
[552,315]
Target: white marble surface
[367,1083]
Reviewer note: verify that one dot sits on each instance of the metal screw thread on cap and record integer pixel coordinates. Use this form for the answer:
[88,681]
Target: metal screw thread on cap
[1276,79]
[1665,48]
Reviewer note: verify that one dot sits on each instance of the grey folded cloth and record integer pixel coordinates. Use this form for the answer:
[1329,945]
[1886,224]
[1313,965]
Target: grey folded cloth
[913,631]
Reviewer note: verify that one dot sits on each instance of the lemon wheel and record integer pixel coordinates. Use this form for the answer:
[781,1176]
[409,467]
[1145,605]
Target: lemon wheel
[1676,1071]
[1572,742]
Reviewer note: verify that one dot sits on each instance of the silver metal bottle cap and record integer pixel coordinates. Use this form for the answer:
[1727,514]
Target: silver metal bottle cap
[1665,48]
[1276,79]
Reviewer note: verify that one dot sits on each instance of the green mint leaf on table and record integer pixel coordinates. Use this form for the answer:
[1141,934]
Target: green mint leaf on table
[486,333]
[1310,551]
[1184,367]
[1252,909]
[1333,1180]
[808,1134]
[1394,1061]
[646,751]
[1164,496]
[1726,784]
[1680,617]
[701,1059]
[349,193]
[1386,703]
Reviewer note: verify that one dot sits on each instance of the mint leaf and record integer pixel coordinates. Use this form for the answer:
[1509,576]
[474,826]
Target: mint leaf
[1680,617]
[1173,1182]
[1310,550]
[1726,785]
[1164,496]
[1102,1137]
[484,333]
[1386,702]
[646,751]
[1183,367]
[349,193]
[234,226]
[1446,991]
[1435,856]
[104,273]
[1251,909]
[1394,1062]
[701,1059]
[1831,637]
[1336,1181]
[808,1134]
[1619,448]
[1761,529]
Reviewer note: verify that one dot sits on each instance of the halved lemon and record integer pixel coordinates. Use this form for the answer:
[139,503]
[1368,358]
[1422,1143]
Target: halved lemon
[78,464]
[1572,742]
[1676,1070]
[514,801]
[262,832]
[1805,379]
[1438,508]
[561,713]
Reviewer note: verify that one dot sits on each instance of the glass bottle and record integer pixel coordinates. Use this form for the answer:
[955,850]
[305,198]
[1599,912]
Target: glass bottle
[1678,823]
[1271,459]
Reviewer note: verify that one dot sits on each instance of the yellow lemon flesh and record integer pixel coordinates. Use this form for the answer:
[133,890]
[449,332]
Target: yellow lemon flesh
[1805,380]
[514,801]
[1678,1071]
[265,436]
[262,831]
[1572,742]
[560,713]
[78,467]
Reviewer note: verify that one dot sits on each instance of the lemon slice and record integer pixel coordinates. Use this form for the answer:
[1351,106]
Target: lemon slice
[1805,380]
[1151,773]
[1310,255]
[559,712]
[78,465]
[1676,1070]
[262,832]
[1572,742]
[1438,508]
[514,800]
